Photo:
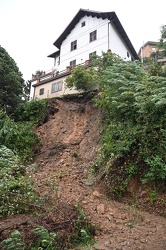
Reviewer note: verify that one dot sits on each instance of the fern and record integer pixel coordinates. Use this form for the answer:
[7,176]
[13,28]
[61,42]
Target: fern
[15,242]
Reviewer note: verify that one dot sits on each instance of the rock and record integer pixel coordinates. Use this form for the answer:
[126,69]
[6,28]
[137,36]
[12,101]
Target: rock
[96,194]
[84,202]
[107,243]
[100,209]
[100,246]
[109,217]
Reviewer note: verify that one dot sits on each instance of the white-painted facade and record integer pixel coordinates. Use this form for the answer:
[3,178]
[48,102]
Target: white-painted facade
[107,37]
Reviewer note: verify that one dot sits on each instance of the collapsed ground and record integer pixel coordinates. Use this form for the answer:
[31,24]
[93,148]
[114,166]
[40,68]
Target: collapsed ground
[62,169]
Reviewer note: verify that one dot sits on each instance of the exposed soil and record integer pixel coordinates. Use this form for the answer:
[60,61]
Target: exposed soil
[70,140]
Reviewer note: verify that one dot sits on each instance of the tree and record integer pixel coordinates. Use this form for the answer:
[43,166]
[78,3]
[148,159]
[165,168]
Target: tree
[88,77]
[12,84]
[162,43]
[82,78]
[133,104]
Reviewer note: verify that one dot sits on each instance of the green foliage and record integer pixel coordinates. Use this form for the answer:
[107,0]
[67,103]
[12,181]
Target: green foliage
[88,78]
[16,189]
[134,109]
[154,68]
[152,195]
[105,60]
[82,235]
[118,176]
[33,111]
[162,43]
[45,239]
[82,78]
[156,171]
[11,82]
[38,73]
[19,137]
[133,103]
[15,242]
[83,231]
[18,133]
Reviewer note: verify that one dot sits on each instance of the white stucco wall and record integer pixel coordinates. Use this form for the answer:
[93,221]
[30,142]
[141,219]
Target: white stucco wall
[84,47]
[117,45]
[31,91]
[107,38]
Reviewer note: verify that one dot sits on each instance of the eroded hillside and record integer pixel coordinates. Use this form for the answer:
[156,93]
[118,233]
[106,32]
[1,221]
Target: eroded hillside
[70,141]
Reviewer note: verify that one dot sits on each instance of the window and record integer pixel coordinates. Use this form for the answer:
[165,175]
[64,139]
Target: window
[74,45]
[41,91]
[57,86]
[93,36]
[91,55]
[128,54]
[73,63]
[83,24]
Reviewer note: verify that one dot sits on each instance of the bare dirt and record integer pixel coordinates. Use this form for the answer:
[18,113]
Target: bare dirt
[70,141]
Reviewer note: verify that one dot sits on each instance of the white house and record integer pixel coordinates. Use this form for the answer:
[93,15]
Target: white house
[89,32]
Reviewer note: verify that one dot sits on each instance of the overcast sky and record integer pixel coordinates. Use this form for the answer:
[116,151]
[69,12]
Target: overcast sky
[28,28]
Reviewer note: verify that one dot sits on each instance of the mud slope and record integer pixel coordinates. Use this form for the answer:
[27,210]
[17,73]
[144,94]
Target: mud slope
[70,140]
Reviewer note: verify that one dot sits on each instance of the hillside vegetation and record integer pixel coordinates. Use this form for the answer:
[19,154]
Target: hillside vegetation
[59,151]
[133,105]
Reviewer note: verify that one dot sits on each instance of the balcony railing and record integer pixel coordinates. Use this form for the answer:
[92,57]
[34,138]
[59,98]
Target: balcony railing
[45,75]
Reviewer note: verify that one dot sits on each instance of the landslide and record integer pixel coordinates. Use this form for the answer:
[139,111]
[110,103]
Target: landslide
[70,141]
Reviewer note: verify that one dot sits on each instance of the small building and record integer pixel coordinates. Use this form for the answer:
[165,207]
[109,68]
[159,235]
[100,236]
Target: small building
[150,48]
[147,49]
[88,33]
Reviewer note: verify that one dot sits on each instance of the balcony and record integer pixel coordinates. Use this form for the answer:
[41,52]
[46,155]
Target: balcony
[46,76]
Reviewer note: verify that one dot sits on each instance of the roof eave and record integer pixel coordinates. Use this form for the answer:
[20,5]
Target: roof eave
[111,16]
[54,54]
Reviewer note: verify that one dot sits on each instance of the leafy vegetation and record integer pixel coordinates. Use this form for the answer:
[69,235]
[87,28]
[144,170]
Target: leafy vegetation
[16,188]
[81,78]
[133,103]
[12,86]
[151,64]
[33,111]
[17,133]
[15,242]
[162,43]
[83,231]
[82,235]
[134,107]
[45,240]
[19,137]
[18,143]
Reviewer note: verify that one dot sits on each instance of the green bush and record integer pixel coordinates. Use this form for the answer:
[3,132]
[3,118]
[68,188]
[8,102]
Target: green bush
[81,235]
[16,188]
[34,111]
[82,78]
[15,242]
[83,231]
[134,110]
[45,240]
[19,137]
[157,171]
